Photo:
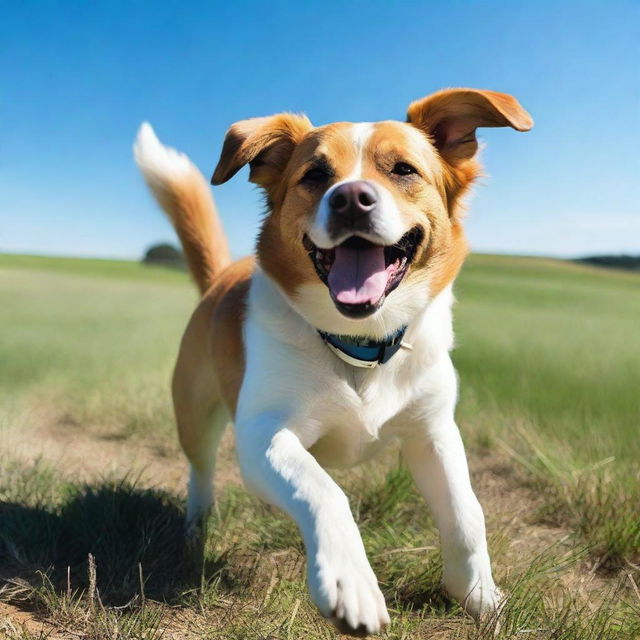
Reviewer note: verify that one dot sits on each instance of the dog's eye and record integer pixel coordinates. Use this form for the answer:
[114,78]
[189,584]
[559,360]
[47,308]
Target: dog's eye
[315,175]
[403,169]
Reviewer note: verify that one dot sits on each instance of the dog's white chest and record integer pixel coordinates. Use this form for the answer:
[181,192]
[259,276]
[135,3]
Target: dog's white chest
[341,414]
[356,417]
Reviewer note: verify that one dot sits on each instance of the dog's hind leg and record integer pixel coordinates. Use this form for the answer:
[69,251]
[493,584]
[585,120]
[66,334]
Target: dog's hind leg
[202,463]
[200,429]
[201,417]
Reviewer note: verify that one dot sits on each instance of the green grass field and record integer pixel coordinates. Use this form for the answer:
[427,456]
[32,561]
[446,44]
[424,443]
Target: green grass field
[92,480]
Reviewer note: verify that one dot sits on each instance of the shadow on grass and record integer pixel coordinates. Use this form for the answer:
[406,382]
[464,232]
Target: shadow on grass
[136,537]
[50,527]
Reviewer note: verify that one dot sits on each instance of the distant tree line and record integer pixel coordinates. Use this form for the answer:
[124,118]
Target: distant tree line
[168,255]
[618,262]
[164,255]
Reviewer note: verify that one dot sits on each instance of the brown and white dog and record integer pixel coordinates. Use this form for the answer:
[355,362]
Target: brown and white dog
[335,339]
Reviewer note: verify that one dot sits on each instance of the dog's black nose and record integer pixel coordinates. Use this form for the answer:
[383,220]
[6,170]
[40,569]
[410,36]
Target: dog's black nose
[352,201]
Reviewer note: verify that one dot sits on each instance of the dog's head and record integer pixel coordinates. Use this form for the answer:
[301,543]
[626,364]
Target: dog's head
[363,224]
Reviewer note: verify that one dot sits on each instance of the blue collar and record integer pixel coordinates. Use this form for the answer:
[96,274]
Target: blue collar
[364,352]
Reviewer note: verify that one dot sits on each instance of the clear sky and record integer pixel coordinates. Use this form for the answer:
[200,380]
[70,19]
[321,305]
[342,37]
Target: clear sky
[77,78]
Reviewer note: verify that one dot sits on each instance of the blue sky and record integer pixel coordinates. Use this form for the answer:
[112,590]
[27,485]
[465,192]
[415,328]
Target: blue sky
[77,78]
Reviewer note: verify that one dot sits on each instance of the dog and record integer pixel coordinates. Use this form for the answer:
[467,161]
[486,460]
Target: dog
[334,340]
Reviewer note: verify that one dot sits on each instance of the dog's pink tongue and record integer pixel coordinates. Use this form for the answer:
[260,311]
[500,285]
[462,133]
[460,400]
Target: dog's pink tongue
[358,276]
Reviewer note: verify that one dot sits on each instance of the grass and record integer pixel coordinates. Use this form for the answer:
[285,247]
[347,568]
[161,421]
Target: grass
[549,360]
[91,540]
[94,267]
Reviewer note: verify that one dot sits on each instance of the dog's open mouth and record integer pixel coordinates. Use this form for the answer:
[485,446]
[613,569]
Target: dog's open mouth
[361,274]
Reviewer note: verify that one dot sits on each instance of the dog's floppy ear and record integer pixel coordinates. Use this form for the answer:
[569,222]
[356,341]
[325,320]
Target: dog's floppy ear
[451,117]
[265,144]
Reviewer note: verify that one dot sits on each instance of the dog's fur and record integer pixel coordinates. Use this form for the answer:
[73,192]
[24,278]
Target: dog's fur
[252,355]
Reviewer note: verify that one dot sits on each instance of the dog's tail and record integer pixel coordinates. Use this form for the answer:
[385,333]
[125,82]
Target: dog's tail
[183,193]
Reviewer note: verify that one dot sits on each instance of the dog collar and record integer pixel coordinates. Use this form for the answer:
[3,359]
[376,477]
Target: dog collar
[364,352]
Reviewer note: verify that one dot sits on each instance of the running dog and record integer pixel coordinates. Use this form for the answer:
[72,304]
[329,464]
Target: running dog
[334,339]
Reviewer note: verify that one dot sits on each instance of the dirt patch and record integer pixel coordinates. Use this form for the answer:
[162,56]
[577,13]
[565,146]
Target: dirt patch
[16,623]
[154,460]
[512,507]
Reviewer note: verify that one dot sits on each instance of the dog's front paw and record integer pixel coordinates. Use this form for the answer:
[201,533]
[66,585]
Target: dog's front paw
[346,591]
[468,579]
[483,600]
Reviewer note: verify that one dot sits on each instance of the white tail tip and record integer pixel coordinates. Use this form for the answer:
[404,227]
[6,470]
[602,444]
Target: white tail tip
[156,161]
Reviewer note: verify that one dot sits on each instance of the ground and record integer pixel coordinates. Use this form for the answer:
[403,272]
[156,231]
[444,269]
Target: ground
[92,481]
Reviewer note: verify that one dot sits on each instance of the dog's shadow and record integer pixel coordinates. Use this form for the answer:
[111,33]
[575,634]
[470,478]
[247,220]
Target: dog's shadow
[135,538]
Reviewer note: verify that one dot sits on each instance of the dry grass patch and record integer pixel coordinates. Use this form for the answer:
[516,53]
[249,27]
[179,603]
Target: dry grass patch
[253,581]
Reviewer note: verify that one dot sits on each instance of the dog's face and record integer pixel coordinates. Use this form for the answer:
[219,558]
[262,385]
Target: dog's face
[363,226]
